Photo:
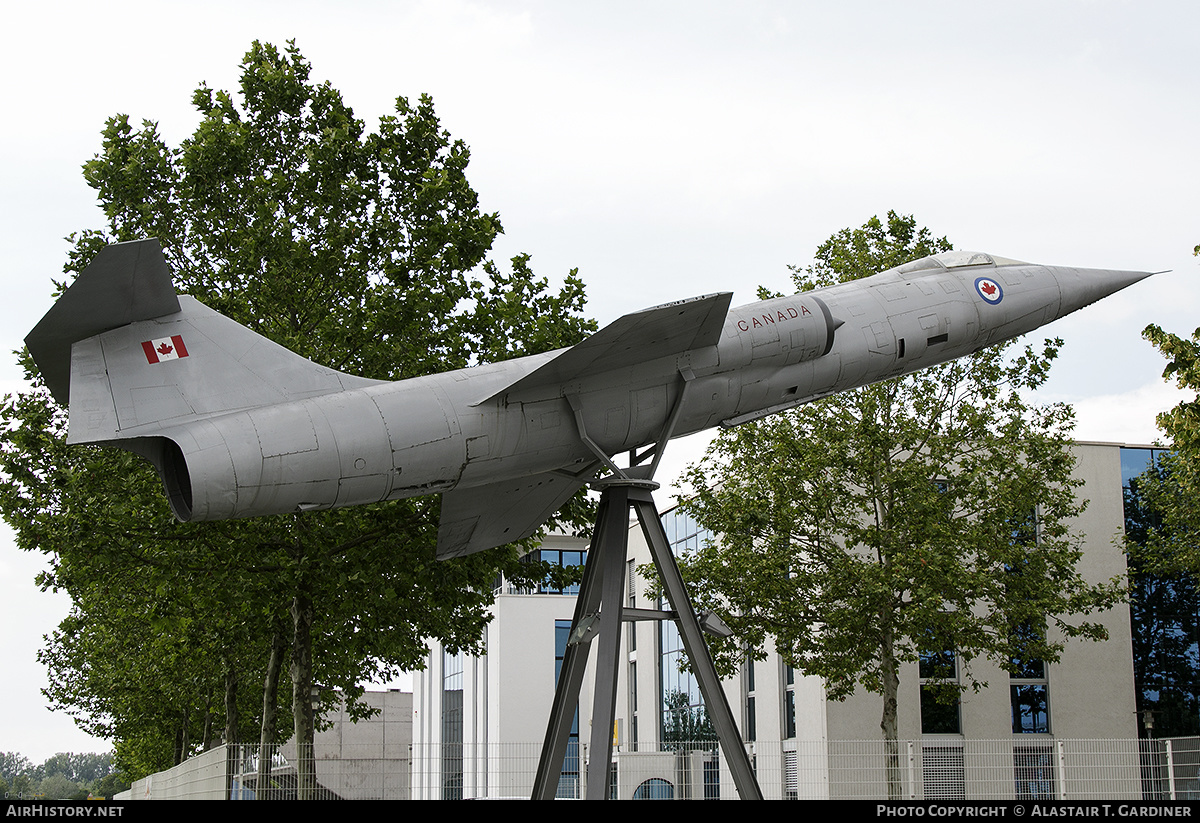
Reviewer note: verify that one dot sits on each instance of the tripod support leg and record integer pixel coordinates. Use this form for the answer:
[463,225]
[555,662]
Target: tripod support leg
[601,595]
[609,519]
[693,643]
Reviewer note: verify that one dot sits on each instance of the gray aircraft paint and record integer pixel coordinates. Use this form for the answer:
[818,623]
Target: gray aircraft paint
[238,426]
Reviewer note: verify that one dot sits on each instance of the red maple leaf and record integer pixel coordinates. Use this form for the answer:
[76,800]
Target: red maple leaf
[164,349]
[988,289]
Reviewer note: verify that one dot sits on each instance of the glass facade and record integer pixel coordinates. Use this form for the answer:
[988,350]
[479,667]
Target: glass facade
[684,716]
[568,780]
[1164,614]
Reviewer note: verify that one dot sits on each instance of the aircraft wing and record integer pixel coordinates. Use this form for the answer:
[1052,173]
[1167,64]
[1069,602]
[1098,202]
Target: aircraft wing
[482,517]
[660,331]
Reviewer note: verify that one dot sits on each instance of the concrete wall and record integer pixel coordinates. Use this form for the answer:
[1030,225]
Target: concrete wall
[368,759]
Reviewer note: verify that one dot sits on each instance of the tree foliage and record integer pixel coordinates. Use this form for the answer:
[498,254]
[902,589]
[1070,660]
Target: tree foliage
[1170,545]
[860,530]
[64,776]
[364,251]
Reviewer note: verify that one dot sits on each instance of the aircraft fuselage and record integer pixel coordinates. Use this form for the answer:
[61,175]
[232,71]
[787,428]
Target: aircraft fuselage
[238,426]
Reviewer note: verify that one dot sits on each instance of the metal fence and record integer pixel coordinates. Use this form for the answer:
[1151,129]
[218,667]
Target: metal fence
[927,769]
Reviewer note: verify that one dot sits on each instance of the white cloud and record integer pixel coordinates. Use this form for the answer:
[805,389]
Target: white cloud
[1126,417]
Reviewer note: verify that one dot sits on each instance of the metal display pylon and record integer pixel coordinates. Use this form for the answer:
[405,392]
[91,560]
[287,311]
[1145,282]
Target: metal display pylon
[598,613]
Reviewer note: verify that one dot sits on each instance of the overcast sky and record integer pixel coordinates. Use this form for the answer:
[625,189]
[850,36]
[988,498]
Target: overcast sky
[669,149]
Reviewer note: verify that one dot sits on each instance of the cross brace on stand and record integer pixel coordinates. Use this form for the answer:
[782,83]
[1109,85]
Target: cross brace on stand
[598,612]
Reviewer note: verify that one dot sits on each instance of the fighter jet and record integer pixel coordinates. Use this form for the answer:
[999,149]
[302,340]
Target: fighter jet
[238,426]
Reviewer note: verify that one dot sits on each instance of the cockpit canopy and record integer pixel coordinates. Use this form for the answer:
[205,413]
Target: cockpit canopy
[956,260]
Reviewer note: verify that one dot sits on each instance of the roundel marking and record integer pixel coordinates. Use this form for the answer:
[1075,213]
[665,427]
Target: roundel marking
[989,290]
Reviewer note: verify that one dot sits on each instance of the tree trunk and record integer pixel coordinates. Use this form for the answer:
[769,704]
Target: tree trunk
[181,739]
[206,736]
[266,739]
[890,676]
[302,704]
[231,718]
[231,728]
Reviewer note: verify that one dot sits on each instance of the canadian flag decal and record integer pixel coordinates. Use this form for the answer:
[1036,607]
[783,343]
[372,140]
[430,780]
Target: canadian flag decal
[164,348]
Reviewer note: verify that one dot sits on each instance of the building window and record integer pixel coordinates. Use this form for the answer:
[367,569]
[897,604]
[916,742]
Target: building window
[678,690]
[633,707]
[789,702]
[1028,686]
[1030,692]
[684,534]
[750,722]
[684,717]
[654,789]
[938,672]
[568,780]
[566,558]
[1029,689]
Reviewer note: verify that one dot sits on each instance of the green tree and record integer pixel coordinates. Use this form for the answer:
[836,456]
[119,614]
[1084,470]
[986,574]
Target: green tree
[363,251]
[66,776]
[1170,545]
[864,529]
[60,787]
[17,775]
[110,785]
[80,767]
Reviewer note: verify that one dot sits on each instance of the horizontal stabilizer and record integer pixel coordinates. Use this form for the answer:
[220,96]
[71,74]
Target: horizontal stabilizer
[126,282]
[661,331]
[483,517]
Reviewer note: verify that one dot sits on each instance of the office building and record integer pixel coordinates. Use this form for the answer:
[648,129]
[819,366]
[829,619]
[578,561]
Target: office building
[469,709]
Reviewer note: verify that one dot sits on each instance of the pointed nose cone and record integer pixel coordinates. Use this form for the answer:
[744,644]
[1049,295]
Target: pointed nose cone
[1082,287]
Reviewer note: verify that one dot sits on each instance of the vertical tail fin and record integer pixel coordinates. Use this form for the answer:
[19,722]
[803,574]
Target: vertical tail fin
[130,357]
[126,282]
[146,370]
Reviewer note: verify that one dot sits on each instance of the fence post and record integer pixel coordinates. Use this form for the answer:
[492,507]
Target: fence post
[584,757]
[1062,771]
[912,772]
[1170,770]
